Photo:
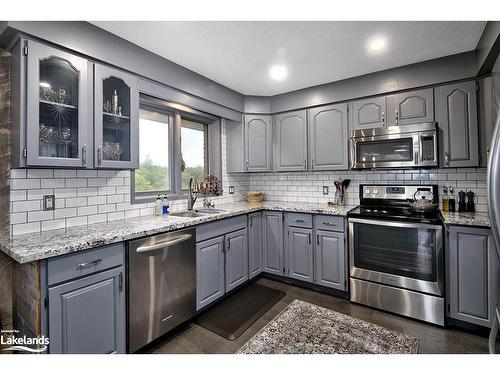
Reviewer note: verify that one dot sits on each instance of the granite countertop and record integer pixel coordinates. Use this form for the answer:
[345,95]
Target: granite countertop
[475,219]
[35,246]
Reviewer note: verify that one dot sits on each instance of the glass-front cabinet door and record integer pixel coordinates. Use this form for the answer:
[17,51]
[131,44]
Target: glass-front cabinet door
[58,114]
[116,119]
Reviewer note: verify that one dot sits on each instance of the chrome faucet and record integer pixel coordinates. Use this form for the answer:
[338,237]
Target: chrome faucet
[192,192]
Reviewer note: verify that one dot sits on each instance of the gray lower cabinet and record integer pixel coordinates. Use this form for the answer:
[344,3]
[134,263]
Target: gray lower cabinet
[209,271]
[87,315]
[299,254]
[368,113]
[236,259]
[273,242]
[86,301]
[255,244]
[258,142]
[290,141]
[328,137]
[473,275]
[456,109]
[410,107]
[329,256]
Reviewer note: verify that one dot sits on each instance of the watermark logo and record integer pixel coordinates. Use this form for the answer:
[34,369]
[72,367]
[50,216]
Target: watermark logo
[24,343]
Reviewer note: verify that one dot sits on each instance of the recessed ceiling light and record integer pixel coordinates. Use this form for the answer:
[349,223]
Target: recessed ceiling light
[278,72]
[377,44]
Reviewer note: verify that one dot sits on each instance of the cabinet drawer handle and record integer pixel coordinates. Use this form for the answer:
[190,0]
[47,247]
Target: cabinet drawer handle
[92,263]
[299,221]
[84,155]
[329,223]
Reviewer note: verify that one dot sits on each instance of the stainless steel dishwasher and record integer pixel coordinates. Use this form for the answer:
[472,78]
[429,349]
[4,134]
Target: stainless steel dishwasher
[161,285]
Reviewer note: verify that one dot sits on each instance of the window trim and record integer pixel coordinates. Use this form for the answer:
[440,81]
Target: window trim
[214,153]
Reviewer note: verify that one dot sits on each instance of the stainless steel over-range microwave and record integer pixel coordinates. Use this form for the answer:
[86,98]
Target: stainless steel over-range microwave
[395,147]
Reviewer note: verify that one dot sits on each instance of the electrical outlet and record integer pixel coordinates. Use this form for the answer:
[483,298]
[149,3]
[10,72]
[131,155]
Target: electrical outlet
[49,202]
[231,189]
[325,190]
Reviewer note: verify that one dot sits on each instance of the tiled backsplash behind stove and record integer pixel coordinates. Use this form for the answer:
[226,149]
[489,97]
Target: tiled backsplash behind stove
[308,186]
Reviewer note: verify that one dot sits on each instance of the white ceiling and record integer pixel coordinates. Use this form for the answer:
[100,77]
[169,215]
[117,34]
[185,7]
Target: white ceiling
[240,54]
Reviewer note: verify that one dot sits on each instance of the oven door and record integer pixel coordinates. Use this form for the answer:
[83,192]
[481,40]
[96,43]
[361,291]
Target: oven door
[401,254]
[386,151]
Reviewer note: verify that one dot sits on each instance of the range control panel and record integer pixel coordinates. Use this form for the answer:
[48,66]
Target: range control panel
[398,192]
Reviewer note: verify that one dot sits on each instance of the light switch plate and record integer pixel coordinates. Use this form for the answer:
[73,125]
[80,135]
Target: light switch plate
[231,189]
[325,190]
[49,202]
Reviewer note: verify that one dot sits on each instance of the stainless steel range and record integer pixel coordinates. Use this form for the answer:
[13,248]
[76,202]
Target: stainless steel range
[396,251]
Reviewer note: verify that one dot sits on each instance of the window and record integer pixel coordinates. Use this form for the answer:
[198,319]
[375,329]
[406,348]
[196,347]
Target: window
[194,151]
[175,144]
[153,174]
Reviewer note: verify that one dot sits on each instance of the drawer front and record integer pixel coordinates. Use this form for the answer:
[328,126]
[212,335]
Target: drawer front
[327,222]
[71,266]
[299,220]
[220,227]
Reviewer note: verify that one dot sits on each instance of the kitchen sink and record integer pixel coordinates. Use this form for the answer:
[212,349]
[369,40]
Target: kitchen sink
[197,213]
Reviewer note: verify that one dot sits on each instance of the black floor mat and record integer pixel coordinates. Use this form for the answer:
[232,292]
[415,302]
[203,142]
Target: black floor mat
[231,317]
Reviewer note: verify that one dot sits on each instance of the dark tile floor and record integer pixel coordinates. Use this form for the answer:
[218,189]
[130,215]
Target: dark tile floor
[192,338]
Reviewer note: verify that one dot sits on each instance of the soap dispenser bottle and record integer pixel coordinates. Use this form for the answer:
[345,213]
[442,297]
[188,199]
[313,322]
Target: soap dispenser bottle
[158,206]
[165,205]
[445,202]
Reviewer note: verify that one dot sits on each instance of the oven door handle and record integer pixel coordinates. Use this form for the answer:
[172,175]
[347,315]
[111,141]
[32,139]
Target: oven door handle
[399,224]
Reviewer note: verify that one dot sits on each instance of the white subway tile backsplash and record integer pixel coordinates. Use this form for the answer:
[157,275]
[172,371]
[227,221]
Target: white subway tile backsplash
[75,221]
[87,210]
[40,173]
[105,208]
[18,173]
[116,216]
[97,182]
[53,224]
[86,192]
[19,183]
[96,200]
[65,193]
[76,202]
[40,215]
[85,173]
[100,218]
[25,228]
[17,195]
[25,206]
[18,218]
[53,183]
[39,193]
[64,212]
[76,182]
[64,173]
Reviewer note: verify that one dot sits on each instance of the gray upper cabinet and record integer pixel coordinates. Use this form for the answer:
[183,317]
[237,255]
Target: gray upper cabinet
[273,242]
[87,316]
[255,244]
[209,271]
[258,138]
[299,254]
[58,108]
[368,113]
[236,259]
[473,275]
[411,107]
[458,125]
[290,142]
[328,137]
[329,265]
[116,103]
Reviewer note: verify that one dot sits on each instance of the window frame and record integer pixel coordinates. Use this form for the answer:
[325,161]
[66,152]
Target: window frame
[176,113]
[206,167]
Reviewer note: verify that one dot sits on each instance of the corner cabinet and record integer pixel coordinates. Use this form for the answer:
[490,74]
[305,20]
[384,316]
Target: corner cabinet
[258,142]
[58,107]
[458,125]
[290,141]
[473,275]
[328,138]
[116,121]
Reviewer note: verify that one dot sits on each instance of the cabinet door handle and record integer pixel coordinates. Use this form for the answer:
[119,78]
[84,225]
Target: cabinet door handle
[251,220]
[84,155]
[317,239]
[228,244]
[309,238]
[99,155]
[397,117]
[120,282]
[305,163]
[383,118]
[312,163]
[247,165]
[447,158]
[92,263]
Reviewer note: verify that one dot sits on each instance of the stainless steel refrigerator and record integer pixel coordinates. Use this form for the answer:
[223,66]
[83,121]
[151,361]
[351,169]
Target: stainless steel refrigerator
[494,195]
